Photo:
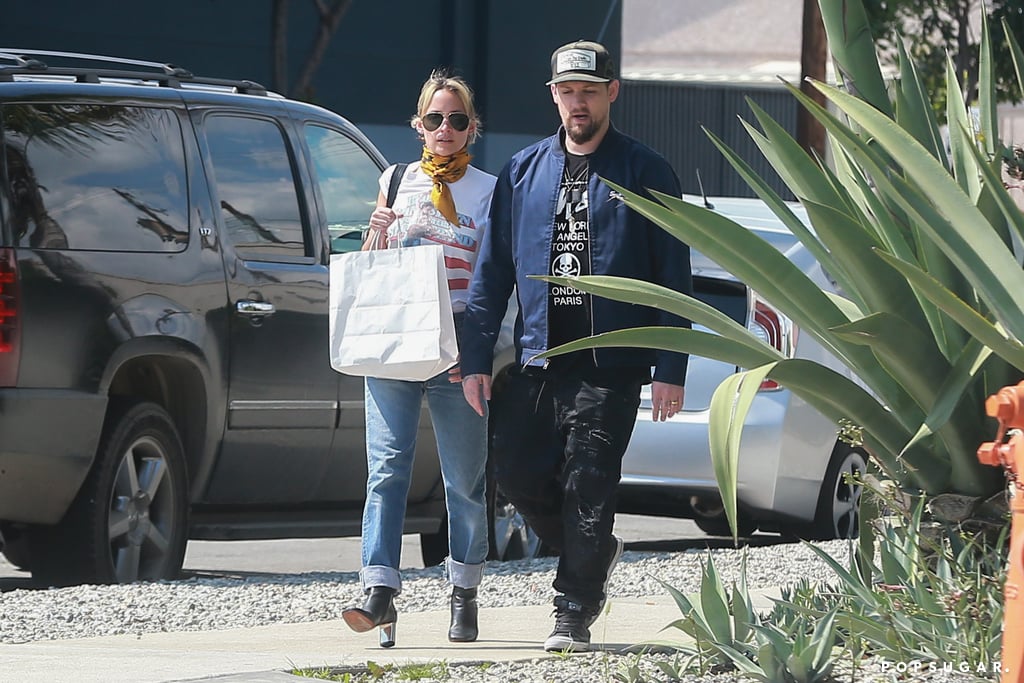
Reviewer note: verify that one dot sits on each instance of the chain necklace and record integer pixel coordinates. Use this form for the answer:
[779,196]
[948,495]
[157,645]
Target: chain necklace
[575,182]
[575,185]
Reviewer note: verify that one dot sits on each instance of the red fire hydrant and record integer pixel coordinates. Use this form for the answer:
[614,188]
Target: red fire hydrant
[1008,407]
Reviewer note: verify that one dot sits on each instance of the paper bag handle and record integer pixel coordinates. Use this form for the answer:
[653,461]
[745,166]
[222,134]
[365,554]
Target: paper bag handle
[396,181]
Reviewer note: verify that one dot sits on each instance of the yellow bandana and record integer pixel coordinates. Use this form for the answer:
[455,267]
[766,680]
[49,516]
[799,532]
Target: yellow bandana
[443,170]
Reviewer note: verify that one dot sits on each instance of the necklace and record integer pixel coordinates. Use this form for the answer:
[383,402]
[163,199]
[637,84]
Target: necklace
[576,182]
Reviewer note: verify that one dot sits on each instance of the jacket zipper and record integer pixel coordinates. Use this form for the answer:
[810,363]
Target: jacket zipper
[590,256]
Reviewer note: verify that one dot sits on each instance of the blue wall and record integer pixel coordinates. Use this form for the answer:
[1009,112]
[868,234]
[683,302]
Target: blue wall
[376,61]
[383,50]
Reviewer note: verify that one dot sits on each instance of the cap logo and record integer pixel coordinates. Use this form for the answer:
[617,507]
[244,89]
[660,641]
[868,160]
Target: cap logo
[576,60]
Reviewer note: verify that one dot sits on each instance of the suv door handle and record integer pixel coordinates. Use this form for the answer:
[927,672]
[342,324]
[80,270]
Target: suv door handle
[254,308]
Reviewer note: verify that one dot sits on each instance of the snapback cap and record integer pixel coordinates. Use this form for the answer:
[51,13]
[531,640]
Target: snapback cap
[582,60]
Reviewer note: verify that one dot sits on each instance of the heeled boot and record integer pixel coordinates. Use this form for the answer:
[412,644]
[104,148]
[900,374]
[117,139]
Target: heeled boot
[378,610]
[464,627]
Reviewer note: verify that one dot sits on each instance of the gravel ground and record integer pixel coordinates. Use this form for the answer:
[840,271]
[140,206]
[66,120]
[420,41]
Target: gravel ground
[205,603]
[600,667]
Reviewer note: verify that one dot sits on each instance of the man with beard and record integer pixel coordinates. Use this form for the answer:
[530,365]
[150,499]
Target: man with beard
[561,424]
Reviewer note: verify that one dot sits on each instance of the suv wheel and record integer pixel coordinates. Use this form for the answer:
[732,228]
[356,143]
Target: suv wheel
[434,547]
[130,519]
[16,548]
[511,537]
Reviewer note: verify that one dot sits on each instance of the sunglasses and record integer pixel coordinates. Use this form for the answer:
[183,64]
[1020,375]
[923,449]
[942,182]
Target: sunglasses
[456,120]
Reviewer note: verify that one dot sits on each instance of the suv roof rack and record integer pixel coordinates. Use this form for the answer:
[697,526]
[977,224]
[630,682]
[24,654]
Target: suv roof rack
[26,62]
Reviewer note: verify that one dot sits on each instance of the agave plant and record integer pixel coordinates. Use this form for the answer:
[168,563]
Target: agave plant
[919,239]
[720,622]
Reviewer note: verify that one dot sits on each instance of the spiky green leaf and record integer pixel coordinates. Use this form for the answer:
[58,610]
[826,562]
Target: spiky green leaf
[730,403]
[853,50]
[951,219]
[995,338]
[918,117]
[714,603]
[959,121]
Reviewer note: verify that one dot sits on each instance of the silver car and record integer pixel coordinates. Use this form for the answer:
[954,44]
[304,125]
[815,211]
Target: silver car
[792,465]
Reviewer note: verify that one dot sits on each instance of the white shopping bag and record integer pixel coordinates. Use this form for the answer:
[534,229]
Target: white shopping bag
[391,314]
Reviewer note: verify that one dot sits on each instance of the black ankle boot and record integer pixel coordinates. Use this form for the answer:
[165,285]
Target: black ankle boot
[378,610]
[464,616]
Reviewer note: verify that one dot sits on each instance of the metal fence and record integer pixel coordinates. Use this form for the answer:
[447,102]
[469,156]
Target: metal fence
[668,116]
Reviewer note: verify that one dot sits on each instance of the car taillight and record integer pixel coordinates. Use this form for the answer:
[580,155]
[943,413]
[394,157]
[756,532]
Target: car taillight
[10,325]
[774,329]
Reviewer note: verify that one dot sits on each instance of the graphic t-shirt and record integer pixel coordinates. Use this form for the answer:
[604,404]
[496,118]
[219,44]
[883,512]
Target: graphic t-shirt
[420,222]
[568,307]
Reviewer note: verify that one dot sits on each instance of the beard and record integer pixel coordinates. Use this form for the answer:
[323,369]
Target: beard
[582,133]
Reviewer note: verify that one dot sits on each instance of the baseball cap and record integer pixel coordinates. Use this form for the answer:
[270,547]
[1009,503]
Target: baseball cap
[582,60]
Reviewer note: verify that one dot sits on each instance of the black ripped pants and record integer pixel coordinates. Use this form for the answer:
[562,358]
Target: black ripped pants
[558,441]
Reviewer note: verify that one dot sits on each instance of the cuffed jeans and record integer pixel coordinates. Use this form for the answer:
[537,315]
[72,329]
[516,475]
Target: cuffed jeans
[558,445]
[392,420]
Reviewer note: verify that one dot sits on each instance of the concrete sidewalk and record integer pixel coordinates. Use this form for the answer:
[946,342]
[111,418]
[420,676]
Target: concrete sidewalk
[265,654]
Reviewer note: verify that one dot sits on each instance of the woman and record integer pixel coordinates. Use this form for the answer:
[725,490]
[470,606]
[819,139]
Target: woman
[441,199]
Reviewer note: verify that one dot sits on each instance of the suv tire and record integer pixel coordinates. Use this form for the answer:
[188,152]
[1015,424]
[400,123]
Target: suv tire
[16,549]
[434,547]
[129,521]
[510,536]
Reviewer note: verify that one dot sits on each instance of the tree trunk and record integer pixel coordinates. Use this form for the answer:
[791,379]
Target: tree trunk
[966,67]
[279,45]
[330,17]
[813,55]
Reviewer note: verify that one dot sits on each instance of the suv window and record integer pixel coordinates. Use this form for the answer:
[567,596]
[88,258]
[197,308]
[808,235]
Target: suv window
[95,177]
[347,178]
[256,188]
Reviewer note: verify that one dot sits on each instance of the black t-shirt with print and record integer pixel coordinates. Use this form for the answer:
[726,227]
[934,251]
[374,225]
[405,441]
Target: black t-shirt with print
[569,308]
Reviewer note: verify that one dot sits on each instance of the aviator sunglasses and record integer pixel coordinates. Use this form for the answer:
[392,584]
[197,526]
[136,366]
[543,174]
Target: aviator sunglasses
[456,120]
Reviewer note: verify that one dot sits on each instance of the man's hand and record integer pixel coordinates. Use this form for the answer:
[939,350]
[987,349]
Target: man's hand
[666,400]
[477,389]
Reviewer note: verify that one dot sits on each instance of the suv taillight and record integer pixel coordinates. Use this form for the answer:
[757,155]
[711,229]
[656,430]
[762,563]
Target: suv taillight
[10,325]
[773,328]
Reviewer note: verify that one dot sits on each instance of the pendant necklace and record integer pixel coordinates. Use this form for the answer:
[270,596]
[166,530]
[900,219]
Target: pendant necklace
[575,184]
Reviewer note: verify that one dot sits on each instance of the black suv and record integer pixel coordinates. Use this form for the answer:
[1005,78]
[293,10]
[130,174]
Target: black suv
[164,369]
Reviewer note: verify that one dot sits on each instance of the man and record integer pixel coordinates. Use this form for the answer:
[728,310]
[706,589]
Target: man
[561,425]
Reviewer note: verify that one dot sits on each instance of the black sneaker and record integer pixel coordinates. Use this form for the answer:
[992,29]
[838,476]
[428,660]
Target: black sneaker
[571,633]
[617,547]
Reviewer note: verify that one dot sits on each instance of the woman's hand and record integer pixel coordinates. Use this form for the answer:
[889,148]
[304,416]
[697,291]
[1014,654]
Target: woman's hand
[455,374]
[477,390]
[382,218]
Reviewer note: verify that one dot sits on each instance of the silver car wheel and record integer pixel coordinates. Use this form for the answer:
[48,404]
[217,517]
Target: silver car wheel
[846,491]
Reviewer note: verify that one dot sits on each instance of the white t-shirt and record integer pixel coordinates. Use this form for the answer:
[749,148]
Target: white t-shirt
[421,221]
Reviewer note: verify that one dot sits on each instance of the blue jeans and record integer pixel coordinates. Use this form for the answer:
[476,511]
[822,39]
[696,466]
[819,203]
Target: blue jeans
[392,419]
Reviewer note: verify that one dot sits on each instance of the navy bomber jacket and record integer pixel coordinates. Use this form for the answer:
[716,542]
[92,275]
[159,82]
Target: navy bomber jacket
[623,243]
